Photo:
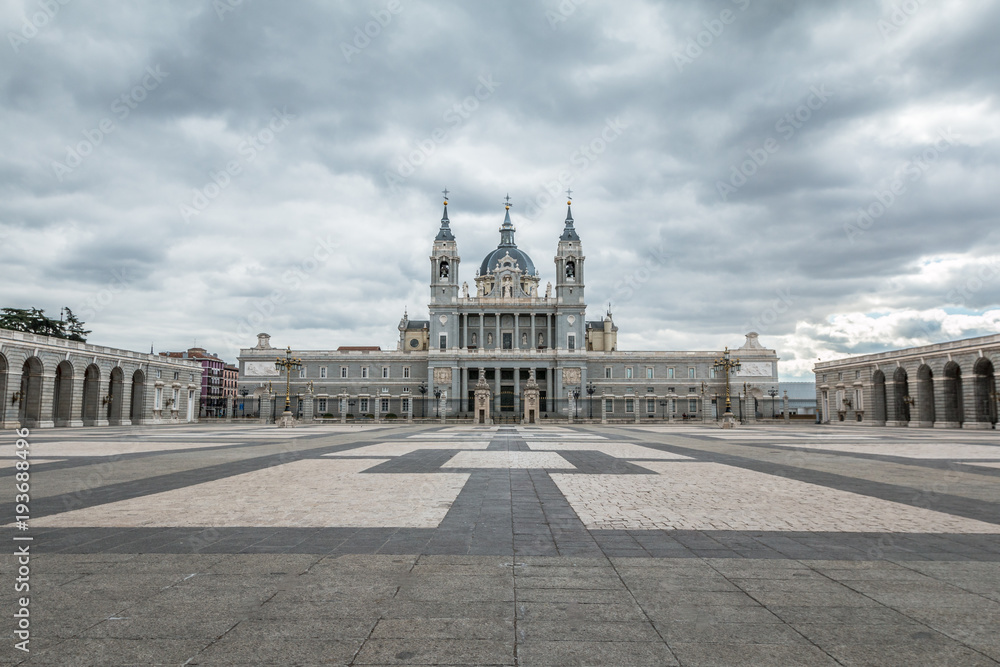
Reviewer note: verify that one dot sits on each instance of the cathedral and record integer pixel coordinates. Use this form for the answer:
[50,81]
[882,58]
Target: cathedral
[507,333]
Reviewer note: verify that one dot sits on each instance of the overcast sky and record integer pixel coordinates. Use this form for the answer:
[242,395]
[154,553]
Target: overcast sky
[823,173]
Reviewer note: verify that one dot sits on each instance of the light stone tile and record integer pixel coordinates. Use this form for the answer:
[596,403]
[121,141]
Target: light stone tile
[508,460]
[384,449]
[111,447]
[314,493]
[621,450]
[712,496]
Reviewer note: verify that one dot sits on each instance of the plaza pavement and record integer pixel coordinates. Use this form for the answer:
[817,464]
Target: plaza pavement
[572,545]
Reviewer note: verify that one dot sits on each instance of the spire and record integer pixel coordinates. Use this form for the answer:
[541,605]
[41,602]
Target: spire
[444,234]
[569,232]
[507,230]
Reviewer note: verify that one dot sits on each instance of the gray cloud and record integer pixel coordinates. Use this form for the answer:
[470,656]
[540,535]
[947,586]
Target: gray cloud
[310,215]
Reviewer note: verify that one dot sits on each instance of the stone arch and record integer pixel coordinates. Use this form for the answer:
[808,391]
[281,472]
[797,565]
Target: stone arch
[62,394]
[4,367]
[116,391]
[926,414]
[878,398]
[986,392]
[138,397]
[89,411]
[901,395]
[954,412]
[30,404]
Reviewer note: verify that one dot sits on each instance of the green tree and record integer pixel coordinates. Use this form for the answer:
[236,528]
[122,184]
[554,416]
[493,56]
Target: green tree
[34,320]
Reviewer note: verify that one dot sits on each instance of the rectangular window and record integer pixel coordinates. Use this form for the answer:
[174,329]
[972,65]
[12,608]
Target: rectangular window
[692,406]
[650,405]
[628,372]
[649,373]
[302,372]
[385,372]
[507,341]
[406,373]
[177,375]
[322,371]
[857,374]
[571,342]
[363,405]
[670,373]
[711,373]
[607,373]
[364,371]
[405,406]
[343,371]
[322,405]
[384,405]
[609,405]
[858,400]
[630,405]
[158,401]
[443,342]
[691,373]
[158,373]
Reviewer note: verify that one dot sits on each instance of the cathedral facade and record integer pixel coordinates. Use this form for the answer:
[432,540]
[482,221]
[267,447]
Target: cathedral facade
[507,331]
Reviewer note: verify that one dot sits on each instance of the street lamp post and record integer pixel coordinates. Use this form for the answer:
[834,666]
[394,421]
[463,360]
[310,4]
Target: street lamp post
[576,402]
[727,365]
[423,399]
[289,364]
[437,403]
[590,392]
[772,392]
[243,400]
[663,404]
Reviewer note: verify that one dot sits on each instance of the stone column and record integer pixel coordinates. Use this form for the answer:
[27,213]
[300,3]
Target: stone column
[76,409]
[549,396]
[534,336]
[481,409]
[604,410]
[784,407]
[557,372]
[496,390]
[343,409]
[531,399]
[463,399]
[517,336]
[496,340]
[377,406]
[308,408]
[463,322]
[482,330]
[572,407]
[229,408]
[548,332]
[636,408]
[266,401]
[456,388]
[517,388]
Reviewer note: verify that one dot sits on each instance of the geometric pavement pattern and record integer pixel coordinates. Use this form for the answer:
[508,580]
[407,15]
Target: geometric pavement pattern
[238,544]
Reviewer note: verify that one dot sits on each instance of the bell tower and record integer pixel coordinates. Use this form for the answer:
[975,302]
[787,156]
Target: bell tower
[444,263]
[569,262]
[571,307]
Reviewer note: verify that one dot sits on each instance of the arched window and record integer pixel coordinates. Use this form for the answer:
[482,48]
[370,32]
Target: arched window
[571,269]
[444,268]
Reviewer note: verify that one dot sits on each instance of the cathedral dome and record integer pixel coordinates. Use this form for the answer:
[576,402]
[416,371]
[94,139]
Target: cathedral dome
[507,247]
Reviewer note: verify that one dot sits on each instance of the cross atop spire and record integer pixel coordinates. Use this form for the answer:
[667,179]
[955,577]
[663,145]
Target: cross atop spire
[445,193]
[569,194]
[507,200]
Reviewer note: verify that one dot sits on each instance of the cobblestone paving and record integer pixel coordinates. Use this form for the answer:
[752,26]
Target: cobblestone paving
[230,544]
